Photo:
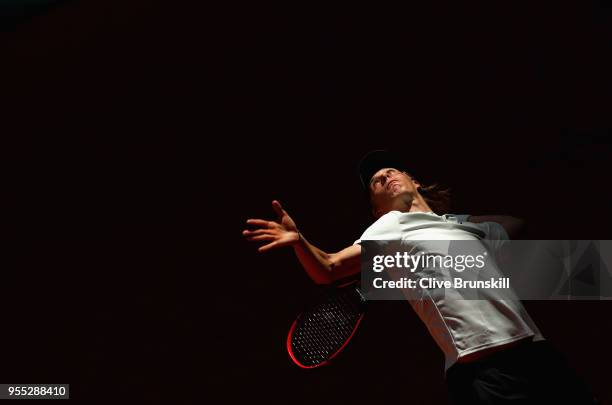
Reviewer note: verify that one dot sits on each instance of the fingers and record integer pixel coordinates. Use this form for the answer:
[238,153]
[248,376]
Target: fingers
[261,237]
[278,208]
[258,222]
[249,233]
[258,234]
[266,232]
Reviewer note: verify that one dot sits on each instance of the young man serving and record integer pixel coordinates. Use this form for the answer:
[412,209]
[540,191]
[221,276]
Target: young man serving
[494,352]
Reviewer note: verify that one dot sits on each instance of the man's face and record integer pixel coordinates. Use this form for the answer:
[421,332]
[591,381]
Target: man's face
[387,187]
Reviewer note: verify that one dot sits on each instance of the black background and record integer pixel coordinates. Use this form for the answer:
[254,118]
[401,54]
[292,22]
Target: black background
[142,134]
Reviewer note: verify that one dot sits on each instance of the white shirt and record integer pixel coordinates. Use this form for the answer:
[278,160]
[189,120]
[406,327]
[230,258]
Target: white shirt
[459,327]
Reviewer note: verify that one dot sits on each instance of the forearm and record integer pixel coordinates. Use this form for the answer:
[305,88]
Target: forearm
[317,263]
[324,268]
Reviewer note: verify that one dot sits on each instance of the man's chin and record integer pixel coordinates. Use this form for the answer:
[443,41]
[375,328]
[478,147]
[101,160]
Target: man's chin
[397,191]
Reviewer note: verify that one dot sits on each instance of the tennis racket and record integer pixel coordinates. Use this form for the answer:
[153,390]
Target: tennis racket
[324,328]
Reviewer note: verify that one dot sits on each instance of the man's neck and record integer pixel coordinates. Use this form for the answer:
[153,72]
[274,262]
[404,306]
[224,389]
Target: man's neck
[416,204]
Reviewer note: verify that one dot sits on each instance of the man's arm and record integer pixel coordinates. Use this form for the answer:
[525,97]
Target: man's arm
[325,268]
[321,267]
[512,225]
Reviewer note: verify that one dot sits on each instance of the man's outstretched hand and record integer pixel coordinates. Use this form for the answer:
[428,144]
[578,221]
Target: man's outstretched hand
[283,232]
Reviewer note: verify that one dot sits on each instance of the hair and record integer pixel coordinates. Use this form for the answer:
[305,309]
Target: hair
[437,197]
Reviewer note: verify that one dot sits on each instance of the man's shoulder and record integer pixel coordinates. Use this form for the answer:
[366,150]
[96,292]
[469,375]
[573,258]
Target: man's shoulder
[385,227]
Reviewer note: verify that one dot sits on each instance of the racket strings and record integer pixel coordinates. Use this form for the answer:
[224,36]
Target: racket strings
[321,332]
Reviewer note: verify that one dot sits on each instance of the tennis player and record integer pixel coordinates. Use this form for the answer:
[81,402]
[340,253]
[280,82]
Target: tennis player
[494,352]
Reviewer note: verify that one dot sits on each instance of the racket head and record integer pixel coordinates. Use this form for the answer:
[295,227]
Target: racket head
[325,327]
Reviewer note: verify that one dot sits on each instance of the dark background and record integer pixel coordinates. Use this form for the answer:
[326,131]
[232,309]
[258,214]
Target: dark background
[142,134]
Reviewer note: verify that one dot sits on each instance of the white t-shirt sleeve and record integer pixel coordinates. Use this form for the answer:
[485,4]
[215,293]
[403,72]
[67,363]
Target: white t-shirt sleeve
[492,230]
[495,235]
[499,231]
[385,228]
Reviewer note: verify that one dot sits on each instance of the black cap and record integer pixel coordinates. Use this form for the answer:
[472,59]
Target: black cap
[376,160]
